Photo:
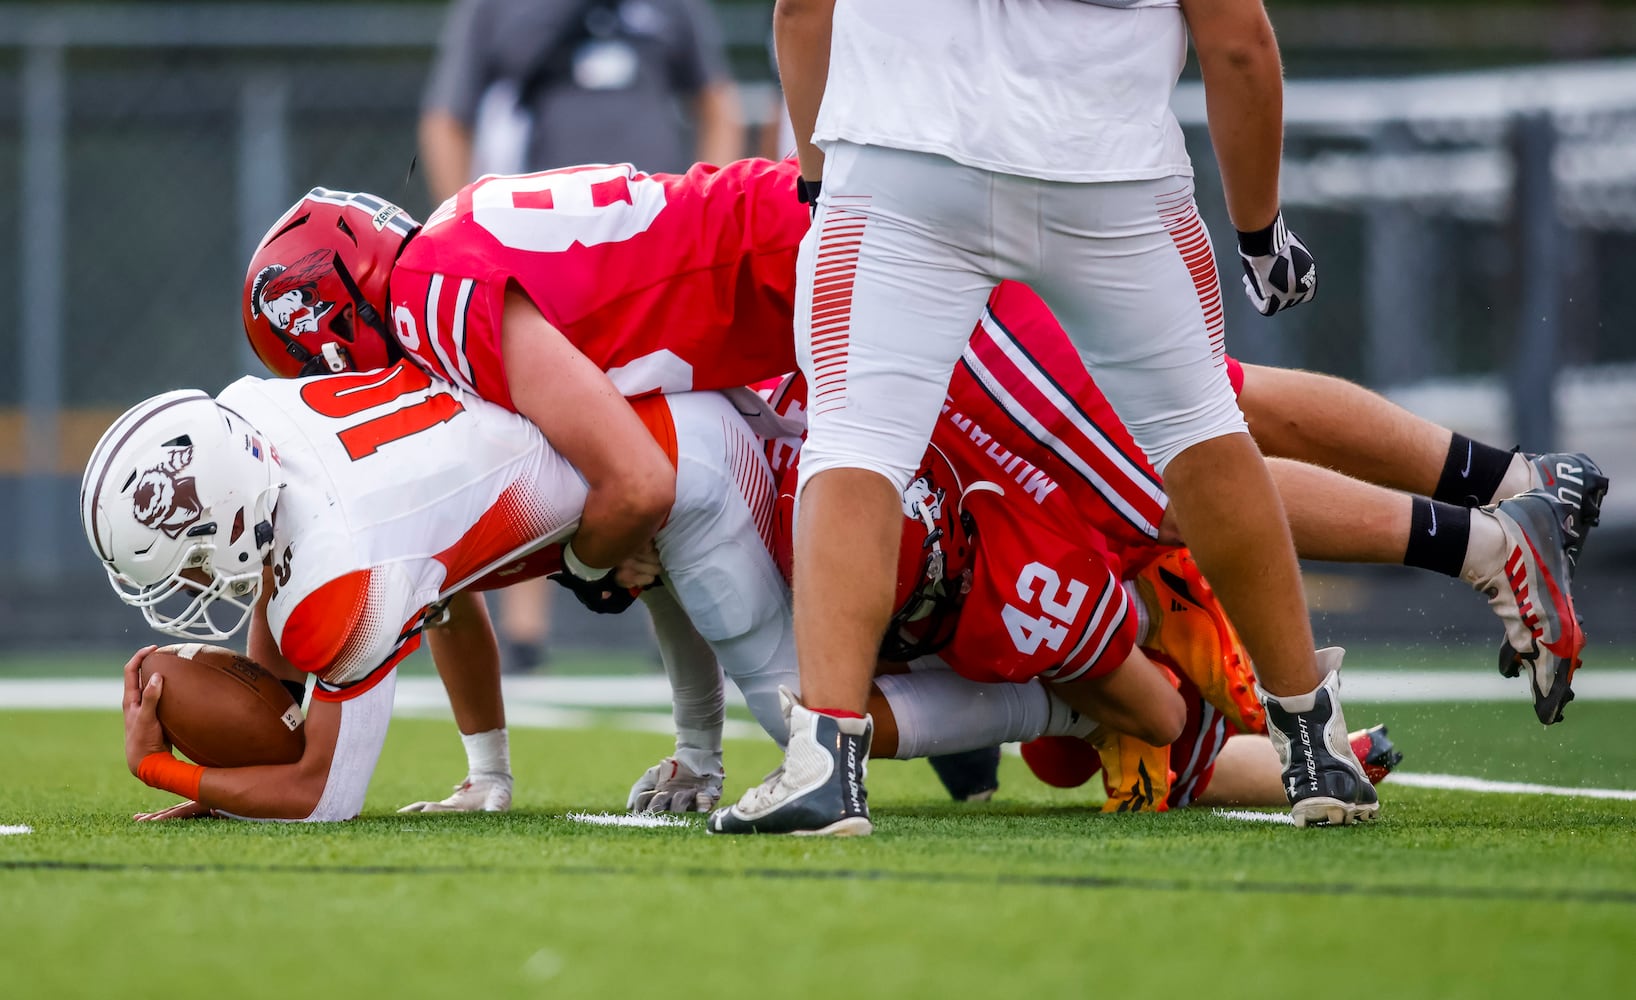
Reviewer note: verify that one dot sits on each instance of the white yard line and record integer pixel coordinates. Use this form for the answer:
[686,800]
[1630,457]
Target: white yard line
[1461,783]
[418,694]
[1254,817]
[15,831]
[648,820]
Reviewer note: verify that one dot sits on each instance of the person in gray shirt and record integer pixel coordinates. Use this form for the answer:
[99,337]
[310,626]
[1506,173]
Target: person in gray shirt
[536,84]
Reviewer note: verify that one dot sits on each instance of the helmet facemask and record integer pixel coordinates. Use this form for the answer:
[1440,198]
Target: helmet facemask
[178,503]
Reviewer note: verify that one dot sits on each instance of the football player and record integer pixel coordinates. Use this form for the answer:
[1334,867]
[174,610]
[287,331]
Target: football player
[554,295]
[336,516]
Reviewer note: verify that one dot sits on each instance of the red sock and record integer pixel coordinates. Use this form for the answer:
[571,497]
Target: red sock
[836,713]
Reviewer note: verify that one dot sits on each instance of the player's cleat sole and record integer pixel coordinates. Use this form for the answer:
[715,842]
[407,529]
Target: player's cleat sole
[852,826]
[1332,812]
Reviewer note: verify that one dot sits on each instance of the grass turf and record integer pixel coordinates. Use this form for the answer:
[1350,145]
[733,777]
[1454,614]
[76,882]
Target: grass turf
[1453,894]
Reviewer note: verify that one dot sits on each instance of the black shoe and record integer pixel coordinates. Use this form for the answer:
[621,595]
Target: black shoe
[1322,777]
[970,776]
[820,789]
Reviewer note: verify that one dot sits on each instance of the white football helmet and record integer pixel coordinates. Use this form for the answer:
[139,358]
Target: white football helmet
[178,503]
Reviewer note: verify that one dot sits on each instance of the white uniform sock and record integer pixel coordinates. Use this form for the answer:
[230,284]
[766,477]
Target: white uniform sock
[1520,477]
[940,712]
[1485,549]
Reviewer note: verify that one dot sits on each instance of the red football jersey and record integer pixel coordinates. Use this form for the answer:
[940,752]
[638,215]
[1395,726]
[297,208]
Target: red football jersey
[1045,598]
[667,282]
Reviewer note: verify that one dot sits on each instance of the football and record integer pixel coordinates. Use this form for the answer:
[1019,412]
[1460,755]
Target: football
[222,709]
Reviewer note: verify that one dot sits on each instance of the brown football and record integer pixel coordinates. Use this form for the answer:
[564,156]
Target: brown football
[222,709]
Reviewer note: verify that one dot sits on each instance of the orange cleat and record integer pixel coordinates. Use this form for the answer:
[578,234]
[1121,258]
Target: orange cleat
[1190,630]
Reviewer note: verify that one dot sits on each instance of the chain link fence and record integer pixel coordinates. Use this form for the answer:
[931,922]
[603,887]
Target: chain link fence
[1473,232]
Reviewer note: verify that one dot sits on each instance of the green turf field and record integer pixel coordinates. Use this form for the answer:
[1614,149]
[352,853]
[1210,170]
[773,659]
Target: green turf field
[1452,894]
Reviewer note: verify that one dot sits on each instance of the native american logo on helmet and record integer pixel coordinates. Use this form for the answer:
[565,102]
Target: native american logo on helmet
[164,500]
[290,297]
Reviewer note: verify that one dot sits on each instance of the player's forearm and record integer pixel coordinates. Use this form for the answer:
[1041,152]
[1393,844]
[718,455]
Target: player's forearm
[801,31]
[279,791]
[1244,99]
[721,124]
[619,520]
[445,154]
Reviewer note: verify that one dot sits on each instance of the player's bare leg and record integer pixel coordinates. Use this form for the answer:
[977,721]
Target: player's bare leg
[467,658]
[1330,421]
[843,593]
[1229,510]
[843,599]
[1338,424]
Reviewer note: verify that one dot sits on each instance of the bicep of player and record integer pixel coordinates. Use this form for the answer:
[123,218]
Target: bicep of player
[630,481]
[343,744]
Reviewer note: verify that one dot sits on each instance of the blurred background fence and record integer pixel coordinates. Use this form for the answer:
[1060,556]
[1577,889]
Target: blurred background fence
[1475,230]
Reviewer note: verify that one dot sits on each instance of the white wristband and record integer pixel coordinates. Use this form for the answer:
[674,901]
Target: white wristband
[575,565]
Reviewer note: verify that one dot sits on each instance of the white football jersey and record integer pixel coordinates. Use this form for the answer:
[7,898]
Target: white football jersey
[398,491]
[1055,89]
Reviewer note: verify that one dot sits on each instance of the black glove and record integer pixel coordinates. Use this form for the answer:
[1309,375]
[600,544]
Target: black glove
[807,192]
[601,595]
[1279,271]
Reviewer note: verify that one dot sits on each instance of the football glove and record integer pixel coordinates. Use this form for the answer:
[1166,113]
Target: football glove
[602,595]
[671,786]
[1279,271]
[486,792]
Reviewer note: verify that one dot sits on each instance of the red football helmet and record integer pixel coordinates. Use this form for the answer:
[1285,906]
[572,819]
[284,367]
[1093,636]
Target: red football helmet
[315,294]
[935,561]
[934,558]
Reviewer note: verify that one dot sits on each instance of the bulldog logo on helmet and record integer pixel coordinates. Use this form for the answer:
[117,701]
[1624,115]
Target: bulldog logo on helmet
[922,492]
[291,298]
[166,501]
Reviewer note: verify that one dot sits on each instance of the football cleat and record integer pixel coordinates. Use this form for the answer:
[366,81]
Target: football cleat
[971,776]
[1531,593]
[1375,752]
[1191,629]
[1135,775]
[1577,482]
[1325,783]
[819,790]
